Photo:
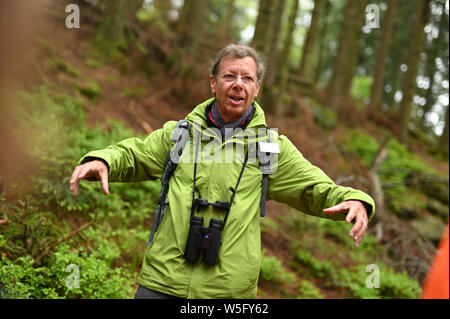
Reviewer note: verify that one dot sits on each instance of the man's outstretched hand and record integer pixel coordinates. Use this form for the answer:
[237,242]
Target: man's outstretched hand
[96,169]
[354,210]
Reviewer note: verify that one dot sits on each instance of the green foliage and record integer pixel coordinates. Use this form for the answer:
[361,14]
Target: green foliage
[319,268]
[133,92]
[362,144]
[141,48]
[63,66]
[2,241]
[90,89]
[398,285]
[272,270]
[93,63]
[153,17]
[361,86]
[97,279]
[325,253]
[33,262]
[112,34]
[430,226]
[308,290]
[392,285]
[396,172]
[402,162]
[323,116]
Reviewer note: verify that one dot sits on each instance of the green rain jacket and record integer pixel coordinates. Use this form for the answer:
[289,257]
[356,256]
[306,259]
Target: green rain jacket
[295,182]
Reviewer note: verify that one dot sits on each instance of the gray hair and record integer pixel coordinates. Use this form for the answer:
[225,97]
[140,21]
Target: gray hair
[238,52]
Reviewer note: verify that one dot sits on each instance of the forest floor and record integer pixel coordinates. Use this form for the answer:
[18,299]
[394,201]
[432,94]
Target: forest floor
[145,103]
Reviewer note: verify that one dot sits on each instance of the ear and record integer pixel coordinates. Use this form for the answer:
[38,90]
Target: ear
[212,83]
[258,85]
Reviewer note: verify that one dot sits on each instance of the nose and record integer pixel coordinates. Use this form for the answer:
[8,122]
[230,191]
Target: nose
[238,84]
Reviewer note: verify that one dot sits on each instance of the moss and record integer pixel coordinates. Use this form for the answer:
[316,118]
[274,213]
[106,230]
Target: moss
[90,89]
[429,226]
[95,64]
[323,116]
[133,92]
[308,290]
[320,268]
[272,270]
[63,66]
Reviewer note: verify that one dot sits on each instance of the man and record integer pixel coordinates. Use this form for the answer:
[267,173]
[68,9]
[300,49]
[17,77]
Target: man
[172,267]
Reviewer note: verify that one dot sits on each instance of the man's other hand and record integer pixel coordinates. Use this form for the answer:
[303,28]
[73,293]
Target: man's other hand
[96,169]
[354,210]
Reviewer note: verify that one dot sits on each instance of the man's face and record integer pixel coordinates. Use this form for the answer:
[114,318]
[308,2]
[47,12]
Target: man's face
[235,87]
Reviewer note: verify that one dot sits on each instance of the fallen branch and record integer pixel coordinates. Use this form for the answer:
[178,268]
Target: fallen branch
[352,178]
[147,128]
[56,243]
[377,190]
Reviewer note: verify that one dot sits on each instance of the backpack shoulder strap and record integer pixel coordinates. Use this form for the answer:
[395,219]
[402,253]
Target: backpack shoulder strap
[180,136]
[265,152]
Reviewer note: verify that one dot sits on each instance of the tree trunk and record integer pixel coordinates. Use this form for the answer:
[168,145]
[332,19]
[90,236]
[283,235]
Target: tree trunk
[398,54]
[409,79]
[430,65]
[284,57]
[322,45]
[111,31]
[383,50]
[306,62]
[347,55]
[444,139]
[261,35]
[430,70]
[164,7]
[268,92]
[192,19]
[227,26]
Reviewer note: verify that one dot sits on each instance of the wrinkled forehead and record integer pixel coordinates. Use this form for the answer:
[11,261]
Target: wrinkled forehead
[244,65]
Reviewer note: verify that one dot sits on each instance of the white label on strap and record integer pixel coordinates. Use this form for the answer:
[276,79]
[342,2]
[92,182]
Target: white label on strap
[269,147]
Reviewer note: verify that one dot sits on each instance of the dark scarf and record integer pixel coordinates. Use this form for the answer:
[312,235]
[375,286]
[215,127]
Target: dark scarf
[215,119]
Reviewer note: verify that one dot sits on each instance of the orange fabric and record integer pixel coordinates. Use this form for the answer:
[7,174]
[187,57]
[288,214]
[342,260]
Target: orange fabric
[436,283]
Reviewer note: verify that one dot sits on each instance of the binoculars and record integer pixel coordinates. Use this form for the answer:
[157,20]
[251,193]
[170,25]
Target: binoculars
[206,239]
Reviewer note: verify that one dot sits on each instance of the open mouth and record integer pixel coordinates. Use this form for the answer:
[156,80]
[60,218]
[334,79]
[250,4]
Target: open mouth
[236,98]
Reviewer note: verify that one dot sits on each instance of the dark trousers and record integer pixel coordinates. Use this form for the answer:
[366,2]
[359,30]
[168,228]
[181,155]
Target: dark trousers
[145,293]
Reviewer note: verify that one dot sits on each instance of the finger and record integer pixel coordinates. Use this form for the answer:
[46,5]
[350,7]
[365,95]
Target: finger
[79,173]
[360,225]
[342,207]
[74,181]
[103,174]
[359,230]
[360,234]
[350,216]
[358,239]
[359,217]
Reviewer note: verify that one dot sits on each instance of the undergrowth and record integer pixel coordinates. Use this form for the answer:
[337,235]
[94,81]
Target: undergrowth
[325,253]
[403,174]
[46,229]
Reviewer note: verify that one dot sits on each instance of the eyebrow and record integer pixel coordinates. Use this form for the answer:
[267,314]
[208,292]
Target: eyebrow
[243,74]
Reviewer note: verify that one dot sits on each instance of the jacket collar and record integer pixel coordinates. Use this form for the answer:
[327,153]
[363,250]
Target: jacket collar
[198,114]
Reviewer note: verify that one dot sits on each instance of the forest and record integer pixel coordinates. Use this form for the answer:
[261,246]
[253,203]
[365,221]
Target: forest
[360,87]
